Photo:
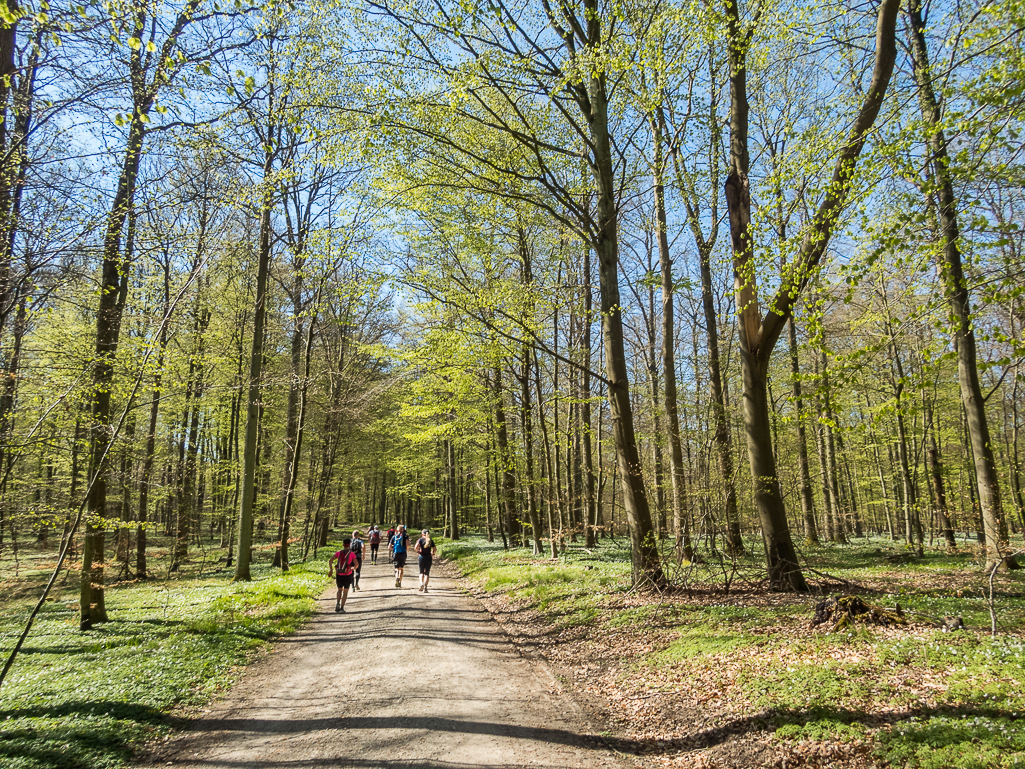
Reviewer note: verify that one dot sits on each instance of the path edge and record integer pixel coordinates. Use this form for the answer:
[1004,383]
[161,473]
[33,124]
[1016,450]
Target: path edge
[527,650]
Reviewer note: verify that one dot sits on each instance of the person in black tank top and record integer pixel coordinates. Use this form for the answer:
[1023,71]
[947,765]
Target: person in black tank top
[427,549]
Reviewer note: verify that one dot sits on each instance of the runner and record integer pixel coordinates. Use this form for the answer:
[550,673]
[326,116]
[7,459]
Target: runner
[427,548]
[375,543]
[357,550]
[341,566]
[400,543]
[391,538]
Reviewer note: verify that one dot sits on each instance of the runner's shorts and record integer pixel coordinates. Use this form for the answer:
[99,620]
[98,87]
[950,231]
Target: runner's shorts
[425,564]
[344,580]
[400,559]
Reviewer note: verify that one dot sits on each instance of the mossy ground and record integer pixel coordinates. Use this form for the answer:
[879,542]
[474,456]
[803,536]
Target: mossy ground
[677,669]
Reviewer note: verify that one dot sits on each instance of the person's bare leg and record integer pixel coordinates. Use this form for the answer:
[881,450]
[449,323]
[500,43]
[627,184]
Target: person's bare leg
[345,594]
[338,600]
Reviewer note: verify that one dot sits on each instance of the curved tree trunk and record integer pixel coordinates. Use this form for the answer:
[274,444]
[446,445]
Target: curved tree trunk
[758,334]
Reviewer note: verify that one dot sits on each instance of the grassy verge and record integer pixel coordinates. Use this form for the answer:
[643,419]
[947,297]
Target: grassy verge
[85,700]
[748,665]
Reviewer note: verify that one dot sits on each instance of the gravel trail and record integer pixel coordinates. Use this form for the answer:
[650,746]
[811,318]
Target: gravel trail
[401,679]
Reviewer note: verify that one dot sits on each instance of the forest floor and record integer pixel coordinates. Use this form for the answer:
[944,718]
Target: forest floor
[705,677]
[548,662]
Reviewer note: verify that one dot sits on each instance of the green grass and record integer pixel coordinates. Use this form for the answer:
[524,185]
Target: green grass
[539,580]
[938,742]
[701,642]
[85,700]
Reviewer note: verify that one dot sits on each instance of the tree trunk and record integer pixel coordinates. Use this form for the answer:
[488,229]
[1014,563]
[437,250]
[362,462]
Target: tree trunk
[584,396]
[883,487]
[811,532]
[912,528]
[553,490]
[758,335]
[526,421]
[113,293]
[499,496]
[678,486]
[1016,472]
[508,486]
[453,503]
[828,501]
[956,288]
[838,531]
[936,473]
[646,568]
[292,477]
[247,481]
[190,439]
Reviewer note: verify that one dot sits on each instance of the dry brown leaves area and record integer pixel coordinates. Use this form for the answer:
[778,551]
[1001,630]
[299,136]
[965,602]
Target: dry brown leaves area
[692,713]
[951,581]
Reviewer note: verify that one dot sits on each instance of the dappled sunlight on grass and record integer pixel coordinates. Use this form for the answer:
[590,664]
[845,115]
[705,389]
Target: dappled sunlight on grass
[701,666]
[77,699]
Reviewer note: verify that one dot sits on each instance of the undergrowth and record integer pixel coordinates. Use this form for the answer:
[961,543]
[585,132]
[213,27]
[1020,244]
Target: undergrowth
[85,699]
[919,697]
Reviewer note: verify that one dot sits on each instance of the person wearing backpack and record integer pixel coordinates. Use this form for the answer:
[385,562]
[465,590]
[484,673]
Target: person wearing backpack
[357,550]
[391,538]
[342,566]
[375,543]
[426,548]
[400,544]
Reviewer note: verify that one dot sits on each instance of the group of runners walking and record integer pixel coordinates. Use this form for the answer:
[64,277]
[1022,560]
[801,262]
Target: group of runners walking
[346,564]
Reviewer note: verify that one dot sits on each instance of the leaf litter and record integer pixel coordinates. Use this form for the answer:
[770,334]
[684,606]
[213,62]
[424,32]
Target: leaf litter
[722,709]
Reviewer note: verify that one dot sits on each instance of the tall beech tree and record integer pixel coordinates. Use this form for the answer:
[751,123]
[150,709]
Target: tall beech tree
[757,333]
[956,288]
[265,119]
[148,39]
[560,58]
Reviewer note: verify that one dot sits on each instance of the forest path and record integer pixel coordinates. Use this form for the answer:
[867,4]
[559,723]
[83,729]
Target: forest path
[401,679]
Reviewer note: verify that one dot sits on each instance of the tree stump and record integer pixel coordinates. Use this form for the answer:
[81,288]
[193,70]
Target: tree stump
[848,610]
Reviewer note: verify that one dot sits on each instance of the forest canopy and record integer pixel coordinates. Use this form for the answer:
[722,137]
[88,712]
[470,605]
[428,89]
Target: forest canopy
[701,275]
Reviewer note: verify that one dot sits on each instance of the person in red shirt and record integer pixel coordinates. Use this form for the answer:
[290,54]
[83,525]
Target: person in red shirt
[342,567]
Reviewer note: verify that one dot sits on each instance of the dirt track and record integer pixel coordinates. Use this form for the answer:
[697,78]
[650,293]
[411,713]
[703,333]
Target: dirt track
[399,680]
